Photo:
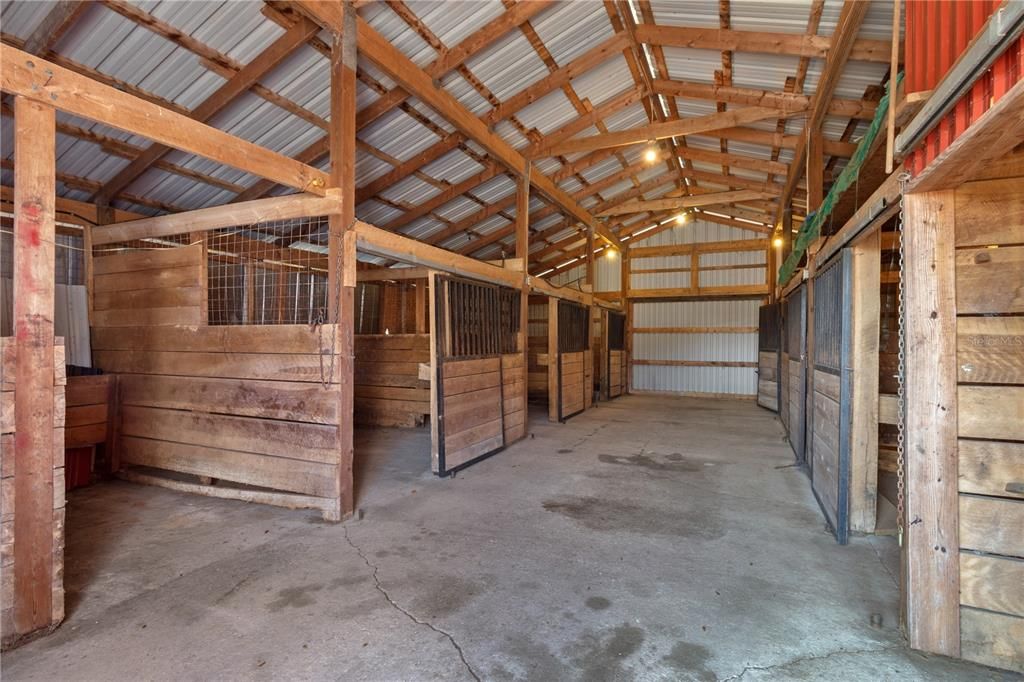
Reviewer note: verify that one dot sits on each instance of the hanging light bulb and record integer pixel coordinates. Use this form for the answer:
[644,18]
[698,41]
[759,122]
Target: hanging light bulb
[651,153]
[611,254]
[682,219]
[777,242]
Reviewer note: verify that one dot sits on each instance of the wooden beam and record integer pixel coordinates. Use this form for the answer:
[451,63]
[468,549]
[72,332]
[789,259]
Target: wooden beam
[780,140]
[667,129]
[815,171]
[244,79]
[846,108]
[796,44]
[232,215]
[686,202]
[932,588]
[451,59]
[34,422]
[993,135]
[47,83]
[842,43]
[374,240]
[883,203]
[382,53]
[734,160]
[54,25]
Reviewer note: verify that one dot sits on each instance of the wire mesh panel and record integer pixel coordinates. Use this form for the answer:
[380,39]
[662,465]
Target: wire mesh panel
[828,317]
[268,273]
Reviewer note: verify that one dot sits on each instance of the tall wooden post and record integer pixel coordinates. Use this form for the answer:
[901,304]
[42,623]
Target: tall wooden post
[931,544]
[34,419]
[867,295]
[523,256]
[341,245]
[627,305]
[554,378]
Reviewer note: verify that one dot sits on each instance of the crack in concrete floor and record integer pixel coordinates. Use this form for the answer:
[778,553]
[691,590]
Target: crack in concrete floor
[801,659]
[380,588]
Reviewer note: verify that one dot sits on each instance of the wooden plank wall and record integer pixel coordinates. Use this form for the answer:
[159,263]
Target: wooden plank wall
[513,396]
[473,409]
[8,633]
[767,378]
[388,389]
[616,373]
[242,409]
[90,401]
[824,439]
[576,381]
[990,399]
[149,288]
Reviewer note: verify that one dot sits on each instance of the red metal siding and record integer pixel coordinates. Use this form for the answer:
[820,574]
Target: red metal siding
[937,33]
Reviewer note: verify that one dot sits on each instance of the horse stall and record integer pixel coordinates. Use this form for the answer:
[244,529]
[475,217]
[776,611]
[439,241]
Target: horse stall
[793,370]
[229,378]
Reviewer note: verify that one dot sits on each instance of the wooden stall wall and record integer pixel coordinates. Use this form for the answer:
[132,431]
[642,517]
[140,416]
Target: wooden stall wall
[389,389]
[250,412]
[989,243]
[8,630]
[617,365]
[795,367]
[513,396]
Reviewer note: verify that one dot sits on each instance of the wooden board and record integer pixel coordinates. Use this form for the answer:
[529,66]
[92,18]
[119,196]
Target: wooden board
[388,387]
[993,583]
[990,350]
[994,639]
[989,524]
[995,412]
[991,468]
[990,280]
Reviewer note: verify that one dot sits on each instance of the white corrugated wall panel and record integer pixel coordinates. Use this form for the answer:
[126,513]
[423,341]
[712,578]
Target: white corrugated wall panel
[696,347]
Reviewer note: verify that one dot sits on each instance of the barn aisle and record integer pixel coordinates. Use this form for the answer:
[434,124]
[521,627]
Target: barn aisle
[649,538]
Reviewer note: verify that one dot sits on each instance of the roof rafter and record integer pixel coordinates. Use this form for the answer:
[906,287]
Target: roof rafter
[850,19]
[243,79]
[799,45]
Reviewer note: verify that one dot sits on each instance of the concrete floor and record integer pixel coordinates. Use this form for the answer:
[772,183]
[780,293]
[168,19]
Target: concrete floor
[649,538]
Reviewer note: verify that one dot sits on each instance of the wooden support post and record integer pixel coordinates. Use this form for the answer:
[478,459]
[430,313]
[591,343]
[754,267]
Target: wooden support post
[341,244]
[589,268]
[554,380]
[421,307]
[204,275]
[815,170]
[523,256]
[627,306]
[931,545]
[867,263]
[34,235]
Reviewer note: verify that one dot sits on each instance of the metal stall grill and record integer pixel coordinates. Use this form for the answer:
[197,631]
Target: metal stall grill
[831,395]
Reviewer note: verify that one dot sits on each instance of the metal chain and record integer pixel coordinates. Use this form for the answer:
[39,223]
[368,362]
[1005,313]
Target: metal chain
[321,317]
[904,178]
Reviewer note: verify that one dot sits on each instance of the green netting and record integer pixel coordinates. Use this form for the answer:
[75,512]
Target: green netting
[811,228]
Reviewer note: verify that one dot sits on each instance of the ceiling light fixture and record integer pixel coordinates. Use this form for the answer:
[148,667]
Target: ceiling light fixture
[651,153]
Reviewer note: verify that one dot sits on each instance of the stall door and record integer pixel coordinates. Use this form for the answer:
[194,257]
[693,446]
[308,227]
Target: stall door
[574,360]
[796,367]
[616,370]
[831,386]
[479,399]
[768,356]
